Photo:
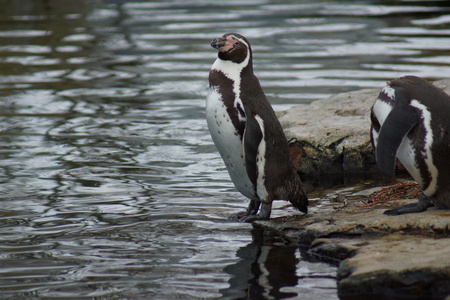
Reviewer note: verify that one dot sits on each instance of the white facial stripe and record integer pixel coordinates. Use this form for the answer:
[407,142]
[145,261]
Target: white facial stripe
[261,163]
[428,156]
[240,40]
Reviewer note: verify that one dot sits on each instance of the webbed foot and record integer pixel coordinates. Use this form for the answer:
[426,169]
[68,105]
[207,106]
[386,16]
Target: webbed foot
[264,214]
[251,211]
[420,206]
[238,216]
[251,218]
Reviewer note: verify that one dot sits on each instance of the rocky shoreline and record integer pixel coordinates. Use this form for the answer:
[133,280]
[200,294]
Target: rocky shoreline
[381,257]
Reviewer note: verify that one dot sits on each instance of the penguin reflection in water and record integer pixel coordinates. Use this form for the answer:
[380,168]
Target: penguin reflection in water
[247,133]
[411,122]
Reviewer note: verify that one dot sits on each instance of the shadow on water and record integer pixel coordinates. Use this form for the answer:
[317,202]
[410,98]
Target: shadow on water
[267,269]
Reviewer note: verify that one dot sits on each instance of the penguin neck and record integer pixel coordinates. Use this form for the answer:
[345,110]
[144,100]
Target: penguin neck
[233,70]
[236,72]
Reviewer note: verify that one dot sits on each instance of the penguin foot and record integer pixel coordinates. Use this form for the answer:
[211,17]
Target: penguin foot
[251,218]
[420,206]
[264,214]
[251,210]
[238,216]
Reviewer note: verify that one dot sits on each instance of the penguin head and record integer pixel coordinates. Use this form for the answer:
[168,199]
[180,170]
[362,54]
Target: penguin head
[232,47]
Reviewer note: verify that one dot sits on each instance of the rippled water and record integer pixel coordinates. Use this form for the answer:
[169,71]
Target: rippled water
[110,185]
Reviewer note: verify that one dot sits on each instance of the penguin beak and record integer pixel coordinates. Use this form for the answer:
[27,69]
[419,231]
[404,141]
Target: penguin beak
[223,44]
[219,43]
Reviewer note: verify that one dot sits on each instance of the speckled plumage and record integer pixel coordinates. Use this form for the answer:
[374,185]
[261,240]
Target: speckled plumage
[247,133]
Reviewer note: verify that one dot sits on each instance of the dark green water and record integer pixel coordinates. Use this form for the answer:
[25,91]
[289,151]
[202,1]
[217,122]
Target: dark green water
[110,185]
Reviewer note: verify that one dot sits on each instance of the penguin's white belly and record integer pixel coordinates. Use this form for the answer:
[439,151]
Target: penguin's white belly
[228,142]
[407,156]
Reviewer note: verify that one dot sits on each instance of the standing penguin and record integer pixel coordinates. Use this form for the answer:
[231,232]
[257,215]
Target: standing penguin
[247,133]
[411,122]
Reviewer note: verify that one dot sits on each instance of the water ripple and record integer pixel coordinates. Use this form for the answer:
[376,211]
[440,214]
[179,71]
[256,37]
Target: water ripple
[110,183]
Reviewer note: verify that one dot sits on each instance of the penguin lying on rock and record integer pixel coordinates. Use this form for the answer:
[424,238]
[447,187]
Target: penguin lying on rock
[411,122]
[247,132]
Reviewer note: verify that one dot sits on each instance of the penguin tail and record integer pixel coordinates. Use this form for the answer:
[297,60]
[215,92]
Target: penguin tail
[298,197]
[300,202]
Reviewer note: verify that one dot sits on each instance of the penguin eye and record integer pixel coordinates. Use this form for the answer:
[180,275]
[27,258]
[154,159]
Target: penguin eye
[236,43]
[235,40]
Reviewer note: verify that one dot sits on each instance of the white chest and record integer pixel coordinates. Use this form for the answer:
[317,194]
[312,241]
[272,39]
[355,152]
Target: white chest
[228,142]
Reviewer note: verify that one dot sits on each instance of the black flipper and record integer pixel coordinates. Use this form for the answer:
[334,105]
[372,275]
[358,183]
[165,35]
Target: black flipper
[398,123]
[252,138]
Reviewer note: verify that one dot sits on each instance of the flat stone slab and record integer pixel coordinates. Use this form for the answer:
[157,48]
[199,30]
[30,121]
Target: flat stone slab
[378,270]
[380,256]
[333,133]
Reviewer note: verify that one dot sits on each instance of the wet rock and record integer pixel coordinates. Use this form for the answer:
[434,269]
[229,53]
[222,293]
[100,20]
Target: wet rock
[333,134]
[407,267]
[381,257]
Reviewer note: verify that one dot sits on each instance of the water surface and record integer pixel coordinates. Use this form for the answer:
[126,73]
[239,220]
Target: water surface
[110,185]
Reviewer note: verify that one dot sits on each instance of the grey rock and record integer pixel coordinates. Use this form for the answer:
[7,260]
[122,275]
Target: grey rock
[407,267]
